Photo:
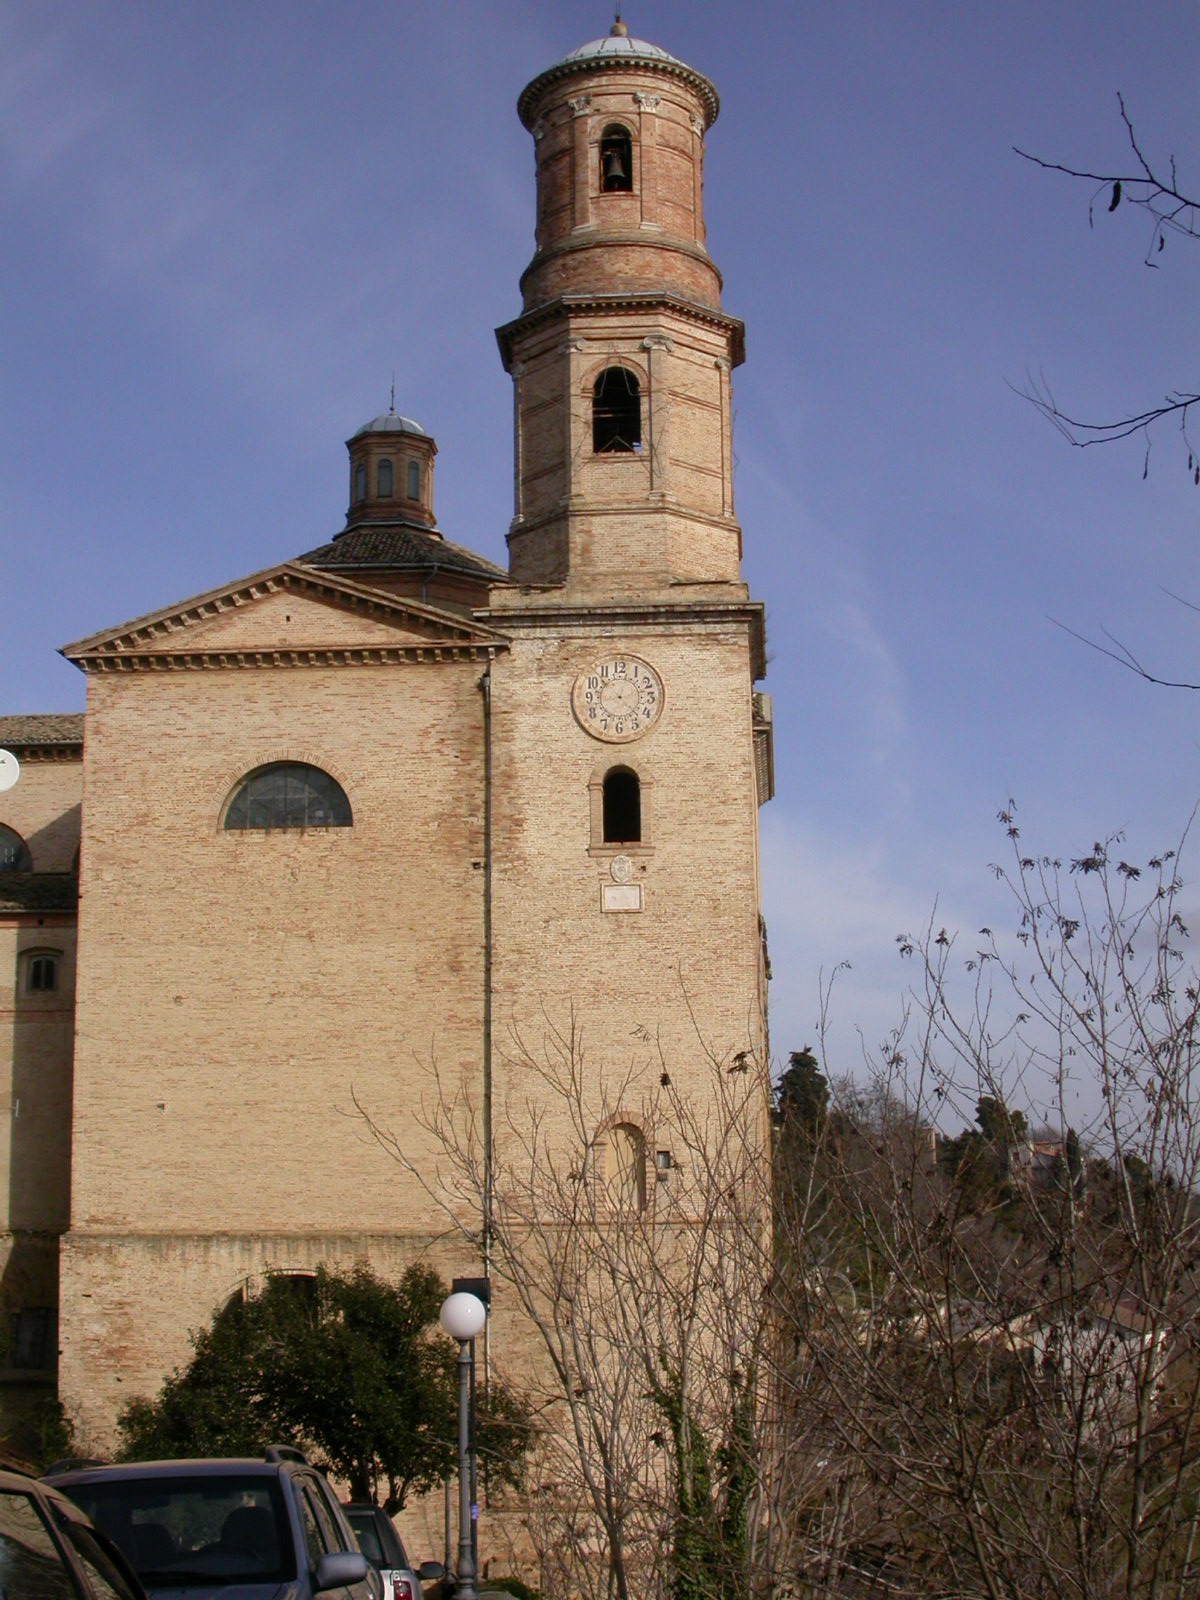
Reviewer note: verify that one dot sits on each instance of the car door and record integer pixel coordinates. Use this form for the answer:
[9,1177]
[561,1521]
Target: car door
[69,1563]
[326,1533]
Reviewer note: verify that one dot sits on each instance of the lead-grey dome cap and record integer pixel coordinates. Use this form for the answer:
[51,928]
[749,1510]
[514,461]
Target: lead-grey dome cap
[390,422]
[618,49]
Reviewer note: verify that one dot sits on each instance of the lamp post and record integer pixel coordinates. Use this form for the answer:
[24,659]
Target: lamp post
[463,1316]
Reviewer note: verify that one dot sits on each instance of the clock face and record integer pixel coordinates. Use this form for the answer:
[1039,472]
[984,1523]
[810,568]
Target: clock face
[618,700]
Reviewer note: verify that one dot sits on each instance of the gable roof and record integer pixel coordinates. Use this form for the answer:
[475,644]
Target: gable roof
[161,638]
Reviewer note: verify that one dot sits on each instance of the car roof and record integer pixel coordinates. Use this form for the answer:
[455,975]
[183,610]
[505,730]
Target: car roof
[198,1467]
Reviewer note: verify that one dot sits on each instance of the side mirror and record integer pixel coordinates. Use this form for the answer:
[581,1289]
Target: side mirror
[339,1570]
[431,1571]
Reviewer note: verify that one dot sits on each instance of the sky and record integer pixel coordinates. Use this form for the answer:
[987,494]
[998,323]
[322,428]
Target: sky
[223,227]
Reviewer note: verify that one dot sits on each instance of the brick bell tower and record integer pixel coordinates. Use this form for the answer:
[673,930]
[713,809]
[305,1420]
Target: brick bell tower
[621,358]
[628,749]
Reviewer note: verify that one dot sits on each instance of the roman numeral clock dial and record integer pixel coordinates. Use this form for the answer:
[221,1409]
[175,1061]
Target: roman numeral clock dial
[618,700]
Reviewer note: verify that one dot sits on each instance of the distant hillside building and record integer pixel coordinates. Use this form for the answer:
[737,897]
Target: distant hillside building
[388,805]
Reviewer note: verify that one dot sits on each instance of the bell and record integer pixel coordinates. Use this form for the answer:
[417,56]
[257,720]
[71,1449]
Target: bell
[615,176]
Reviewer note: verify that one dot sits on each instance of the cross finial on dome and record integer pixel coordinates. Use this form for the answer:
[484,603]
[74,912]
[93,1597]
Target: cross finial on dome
[392,407]
[618,29]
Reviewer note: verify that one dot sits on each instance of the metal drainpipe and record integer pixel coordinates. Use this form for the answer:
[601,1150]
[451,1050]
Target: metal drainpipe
[485,686]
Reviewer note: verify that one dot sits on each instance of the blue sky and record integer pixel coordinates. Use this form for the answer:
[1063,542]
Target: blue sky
[223,225]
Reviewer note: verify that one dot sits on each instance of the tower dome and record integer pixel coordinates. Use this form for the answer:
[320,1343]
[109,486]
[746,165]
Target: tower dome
[391,473]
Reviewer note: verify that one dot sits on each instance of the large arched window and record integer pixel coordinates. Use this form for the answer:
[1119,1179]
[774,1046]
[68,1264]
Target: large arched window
[383,478]
[414,480]
[616,412]
[14,852]
[289,794]
[616,160]
[360,481]
[622,807]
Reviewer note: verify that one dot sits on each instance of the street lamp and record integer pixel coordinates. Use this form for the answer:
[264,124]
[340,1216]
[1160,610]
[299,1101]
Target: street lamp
[463,1317]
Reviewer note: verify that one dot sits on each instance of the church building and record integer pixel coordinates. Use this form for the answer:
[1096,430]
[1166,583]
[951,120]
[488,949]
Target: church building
[366,820]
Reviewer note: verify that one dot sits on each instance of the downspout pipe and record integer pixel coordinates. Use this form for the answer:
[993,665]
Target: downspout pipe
[485,688]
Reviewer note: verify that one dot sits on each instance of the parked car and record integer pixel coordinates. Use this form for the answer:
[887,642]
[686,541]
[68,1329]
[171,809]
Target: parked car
[226,1530]
[50,1551]
[379,1540]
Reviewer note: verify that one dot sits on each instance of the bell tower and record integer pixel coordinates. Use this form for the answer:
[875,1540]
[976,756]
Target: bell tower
[622,355]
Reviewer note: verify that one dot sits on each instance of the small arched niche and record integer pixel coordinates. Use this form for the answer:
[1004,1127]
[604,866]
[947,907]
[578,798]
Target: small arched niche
[623,1159]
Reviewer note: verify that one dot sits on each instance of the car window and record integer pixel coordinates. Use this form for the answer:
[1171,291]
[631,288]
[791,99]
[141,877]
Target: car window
[334,1512]
[314,1539]
[193,1530]
[367,1535]
[105,1576]
[330,1533]
[31,1564]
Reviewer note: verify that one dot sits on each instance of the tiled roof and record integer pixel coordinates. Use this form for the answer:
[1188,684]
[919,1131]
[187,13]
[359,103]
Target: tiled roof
[48,728]
[401,547]
[38,891]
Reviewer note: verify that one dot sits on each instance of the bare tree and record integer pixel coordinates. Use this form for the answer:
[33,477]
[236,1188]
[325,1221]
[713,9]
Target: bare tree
[852,1354]
[1003,1355]
[629,1220]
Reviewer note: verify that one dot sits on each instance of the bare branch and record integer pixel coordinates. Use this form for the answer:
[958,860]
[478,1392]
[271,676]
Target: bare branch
[1124,657]
[1171,211]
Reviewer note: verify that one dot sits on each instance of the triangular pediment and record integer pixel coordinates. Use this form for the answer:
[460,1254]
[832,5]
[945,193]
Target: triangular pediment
[289,612]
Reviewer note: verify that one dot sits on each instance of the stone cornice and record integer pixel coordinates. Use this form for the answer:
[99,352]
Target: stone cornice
[330,656]
[617,304]
[584,618]
[158,642]
[617,66]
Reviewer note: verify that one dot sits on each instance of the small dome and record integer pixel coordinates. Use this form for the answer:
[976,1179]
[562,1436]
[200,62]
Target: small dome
[618,49]
[622,47]
[390,422]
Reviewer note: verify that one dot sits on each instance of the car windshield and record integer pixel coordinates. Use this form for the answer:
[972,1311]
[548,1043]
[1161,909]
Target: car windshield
[187,1532]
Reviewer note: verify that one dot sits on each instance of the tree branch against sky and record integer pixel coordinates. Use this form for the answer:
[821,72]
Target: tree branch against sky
[1171,213]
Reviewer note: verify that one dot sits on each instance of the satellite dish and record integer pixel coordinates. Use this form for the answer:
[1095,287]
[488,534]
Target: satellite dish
[10,769]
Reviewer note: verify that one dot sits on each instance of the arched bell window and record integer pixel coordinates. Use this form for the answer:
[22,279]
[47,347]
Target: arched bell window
[616,412]
[414,480]
[288,794]
[616,160]
[383,479]
[14,852]
[360,481]
[622,807]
